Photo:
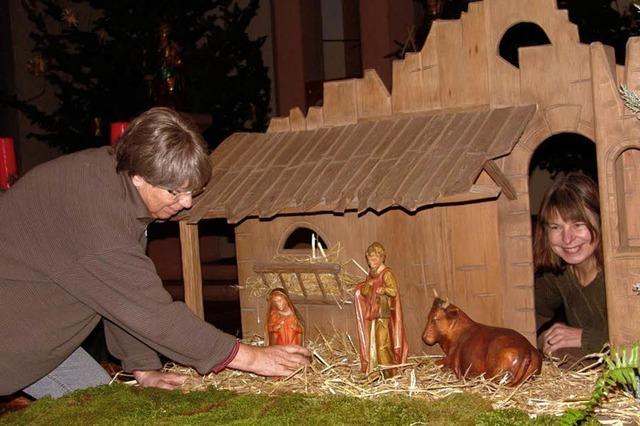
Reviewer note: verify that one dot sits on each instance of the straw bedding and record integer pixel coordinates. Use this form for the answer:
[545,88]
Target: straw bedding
[335,370]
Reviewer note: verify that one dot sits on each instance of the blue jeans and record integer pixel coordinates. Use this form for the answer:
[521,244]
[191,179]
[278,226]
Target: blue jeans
[78,371]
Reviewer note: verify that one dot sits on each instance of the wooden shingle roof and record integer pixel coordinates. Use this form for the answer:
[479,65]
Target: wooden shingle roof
[406,161]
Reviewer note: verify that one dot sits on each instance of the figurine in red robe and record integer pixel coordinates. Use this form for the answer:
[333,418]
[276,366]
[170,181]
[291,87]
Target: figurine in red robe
[379,316]
[284,324]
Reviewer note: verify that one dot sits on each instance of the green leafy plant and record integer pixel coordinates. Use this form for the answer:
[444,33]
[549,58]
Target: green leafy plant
[621,369]
[630,98]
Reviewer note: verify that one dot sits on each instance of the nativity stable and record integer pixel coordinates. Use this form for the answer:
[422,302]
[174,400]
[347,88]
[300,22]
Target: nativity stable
[437,171]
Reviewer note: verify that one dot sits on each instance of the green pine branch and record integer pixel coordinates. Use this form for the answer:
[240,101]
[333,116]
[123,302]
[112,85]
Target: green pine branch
[620,370]
[630,98]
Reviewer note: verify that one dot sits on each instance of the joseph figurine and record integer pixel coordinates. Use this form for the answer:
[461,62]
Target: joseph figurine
[379,316]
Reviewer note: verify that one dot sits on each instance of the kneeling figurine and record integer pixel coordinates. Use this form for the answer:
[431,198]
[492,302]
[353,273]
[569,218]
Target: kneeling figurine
[284,323]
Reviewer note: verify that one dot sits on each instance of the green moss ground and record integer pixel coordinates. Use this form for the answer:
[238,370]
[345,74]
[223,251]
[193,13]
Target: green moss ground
[124,405]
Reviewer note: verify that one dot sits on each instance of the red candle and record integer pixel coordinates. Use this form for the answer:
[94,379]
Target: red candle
[8,166]
[117,129]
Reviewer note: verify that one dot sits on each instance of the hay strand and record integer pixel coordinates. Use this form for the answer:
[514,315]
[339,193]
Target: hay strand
[335,370]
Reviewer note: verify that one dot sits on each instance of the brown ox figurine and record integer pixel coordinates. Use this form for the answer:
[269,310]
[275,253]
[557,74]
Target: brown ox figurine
[473,349]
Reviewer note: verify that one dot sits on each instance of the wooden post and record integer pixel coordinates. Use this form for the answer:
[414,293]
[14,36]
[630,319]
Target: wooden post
[191,271]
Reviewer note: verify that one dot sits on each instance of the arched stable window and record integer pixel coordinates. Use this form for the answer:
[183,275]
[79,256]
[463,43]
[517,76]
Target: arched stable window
[627,172]
[523,34]
[301,238]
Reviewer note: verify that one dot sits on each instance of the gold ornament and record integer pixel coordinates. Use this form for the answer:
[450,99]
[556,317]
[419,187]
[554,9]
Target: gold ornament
[102,36]
[169,80]
[37,66]
[97,126]
[69,17]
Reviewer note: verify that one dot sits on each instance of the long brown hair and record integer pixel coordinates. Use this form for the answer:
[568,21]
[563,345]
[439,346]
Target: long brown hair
[575,198]
[165,149]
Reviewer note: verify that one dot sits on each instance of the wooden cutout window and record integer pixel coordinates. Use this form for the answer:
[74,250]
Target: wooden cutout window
[523,34]
[627,171]
[300,239]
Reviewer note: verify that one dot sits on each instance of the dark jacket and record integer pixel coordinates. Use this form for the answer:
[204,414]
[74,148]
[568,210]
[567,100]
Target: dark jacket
[585,307]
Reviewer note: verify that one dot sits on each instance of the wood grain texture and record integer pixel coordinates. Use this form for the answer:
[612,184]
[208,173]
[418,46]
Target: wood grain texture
[192,273]
[449,146]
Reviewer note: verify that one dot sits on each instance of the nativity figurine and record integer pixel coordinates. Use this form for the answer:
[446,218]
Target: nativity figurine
[474,349]
[379,317]
[284,323]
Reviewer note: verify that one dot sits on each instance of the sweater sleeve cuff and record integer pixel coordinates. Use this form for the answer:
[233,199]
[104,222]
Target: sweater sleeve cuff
[234,351]
[590,341]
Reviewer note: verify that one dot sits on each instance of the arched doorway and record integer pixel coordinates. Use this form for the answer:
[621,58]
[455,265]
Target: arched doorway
[556,156]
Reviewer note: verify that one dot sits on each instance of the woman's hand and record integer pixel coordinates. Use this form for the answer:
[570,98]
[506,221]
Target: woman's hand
[559,336]
[279,360]
[159,379]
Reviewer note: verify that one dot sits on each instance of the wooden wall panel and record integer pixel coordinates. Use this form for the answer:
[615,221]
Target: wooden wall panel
[244,237]
[297,120]
[452,249]
[329,320]
[279,124]
[622,264]
[632,68]
[462,61]
[536,131]
[416,251]
[503,14]
[514,235]
[628,190]
[191,268]
[454,71]
[563,117]
[315,118]
[474,91]
[398,232]
[340,106]
[430,70]
[504,78]
[569,87]
[477,272]
[408,88]
[373,97]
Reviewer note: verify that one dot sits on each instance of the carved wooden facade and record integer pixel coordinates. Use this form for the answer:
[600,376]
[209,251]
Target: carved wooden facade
[437,171]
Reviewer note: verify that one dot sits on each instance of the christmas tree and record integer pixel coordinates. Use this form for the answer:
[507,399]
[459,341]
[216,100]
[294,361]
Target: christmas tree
[194,56]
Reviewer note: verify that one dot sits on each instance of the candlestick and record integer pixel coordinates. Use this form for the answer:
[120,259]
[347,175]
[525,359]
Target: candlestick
[8,166]
[117,129]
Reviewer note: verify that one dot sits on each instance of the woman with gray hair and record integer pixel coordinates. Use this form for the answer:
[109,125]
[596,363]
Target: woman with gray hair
[72,252]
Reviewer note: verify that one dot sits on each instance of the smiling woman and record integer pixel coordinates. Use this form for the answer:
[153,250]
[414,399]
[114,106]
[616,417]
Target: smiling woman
[568,256]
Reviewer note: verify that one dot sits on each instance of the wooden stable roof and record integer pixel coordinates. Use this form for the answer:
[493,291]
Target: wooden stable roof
[397,161]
